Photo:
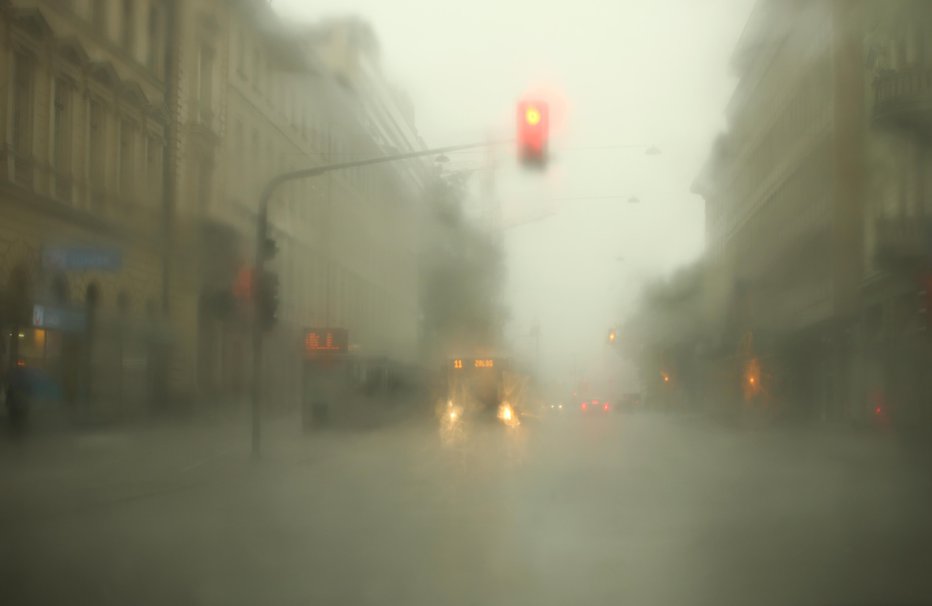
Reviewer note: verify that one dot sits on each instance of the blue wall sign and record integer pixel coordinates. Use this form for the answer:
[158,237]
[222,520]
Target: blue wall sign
[82,258]
[58,318]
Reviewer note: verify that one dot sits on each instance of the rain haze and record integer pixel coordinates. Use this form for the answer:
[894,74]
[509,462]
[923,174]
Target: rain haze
[631,75]
[466,303]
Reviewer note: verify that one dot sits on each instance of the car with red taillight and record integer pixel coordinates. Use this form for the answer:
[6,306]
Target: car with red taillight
[595,406]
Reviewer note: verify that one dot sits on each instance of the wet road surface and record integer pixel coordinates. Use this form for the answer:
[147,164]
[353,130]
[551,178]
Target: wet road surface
[620,509]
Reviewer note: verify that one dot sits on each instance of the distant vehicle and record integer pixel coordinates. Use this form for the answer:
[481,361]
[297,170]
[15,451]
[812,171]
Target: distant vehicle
[482,389]
[595,407]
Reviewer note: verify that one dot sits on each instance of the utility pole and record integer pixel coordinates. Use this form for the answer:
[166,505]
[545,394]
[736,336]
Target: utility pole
[169,147]
[262,231]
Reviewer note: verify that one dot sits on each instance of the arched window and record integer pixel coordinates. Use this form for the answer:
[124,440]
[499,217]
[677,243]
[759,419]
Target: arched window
[19,296]
[123,302]
[92,296]
[152,309]
[60,289]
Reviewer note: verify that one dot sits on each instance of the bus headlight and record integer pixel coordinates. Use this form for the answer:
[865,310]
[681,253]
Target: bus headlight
[506,414]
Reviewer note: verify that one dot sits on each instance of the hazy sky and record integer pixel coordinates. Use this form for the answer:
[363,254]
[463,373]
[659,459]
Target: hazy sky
[630,72]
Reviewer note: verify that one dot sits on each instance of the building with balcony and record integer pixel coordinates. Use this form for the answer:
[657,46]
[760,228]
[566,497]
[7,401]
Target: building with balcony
[781,199]
[896,349]
[82,145]
[816,202]
[136,139]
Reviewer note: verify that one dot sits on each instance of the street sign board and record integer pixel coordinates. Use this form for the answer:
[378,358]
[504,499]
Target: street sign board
[326,340]
[58,318]
[82,258]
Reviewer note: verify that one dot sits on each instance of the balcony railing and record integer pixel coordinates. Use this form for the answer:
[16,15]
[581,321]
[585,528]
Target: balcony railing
[904,97]
[902,240]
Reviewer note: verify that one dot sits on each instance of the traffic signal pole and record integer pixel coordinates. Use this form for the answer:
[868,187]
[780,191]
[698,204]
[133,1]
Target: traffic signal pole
[262,232]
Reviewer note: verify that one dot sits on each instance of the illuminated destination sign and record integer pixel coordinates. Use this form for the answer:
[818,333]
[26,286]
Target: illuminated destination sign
[460,363]
[326,340]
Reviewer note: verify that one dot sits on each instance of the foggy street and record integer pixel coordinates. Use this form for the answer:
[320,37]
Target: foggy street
[433,303]
[640,509]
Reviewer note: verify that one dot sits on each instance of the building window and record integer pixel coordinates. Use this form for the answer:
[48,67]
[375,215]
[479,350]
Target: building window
[92,295]
[270,160]
[22,103]
[22,114]
[927,46]
[61,127]
[97,138]
[99,16]
[153,56]
[925,171]
[127,157]
[241,54]
[238,144]
[255,148]
[204,189]
[123,302]
[61,138]
[205,83]
[154,168]
[127,34]
[60,289]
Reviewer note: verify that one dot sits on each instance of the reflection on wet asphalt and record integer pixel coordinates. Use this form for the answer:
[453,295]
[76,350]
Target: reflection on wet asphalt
[639,510]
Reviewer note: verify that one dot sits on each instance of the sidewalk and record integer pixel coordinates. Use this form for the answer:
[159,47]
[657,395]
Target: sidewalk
[869,446]
[51,474]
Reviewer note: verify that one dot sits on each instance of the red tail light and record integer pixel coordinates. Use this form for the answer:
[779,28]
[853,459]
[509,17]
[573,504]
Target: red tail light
[605,407]
[584,406]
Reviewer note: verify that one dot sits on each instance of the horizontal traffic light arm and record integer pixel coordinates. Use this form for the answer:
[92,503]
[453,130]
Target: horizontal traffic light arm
[315,171]
[262,250]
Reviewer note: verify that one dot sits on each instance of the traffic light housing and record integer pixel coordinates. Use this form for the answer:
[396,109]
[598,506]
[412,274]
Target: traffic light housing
[271,248]
[243,284]
[267,300]
[533,132]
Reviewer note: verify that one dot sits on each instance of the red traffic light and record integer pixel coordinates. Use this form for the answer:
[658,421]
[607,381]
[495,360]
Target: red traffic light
[533,131]
[243,284]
